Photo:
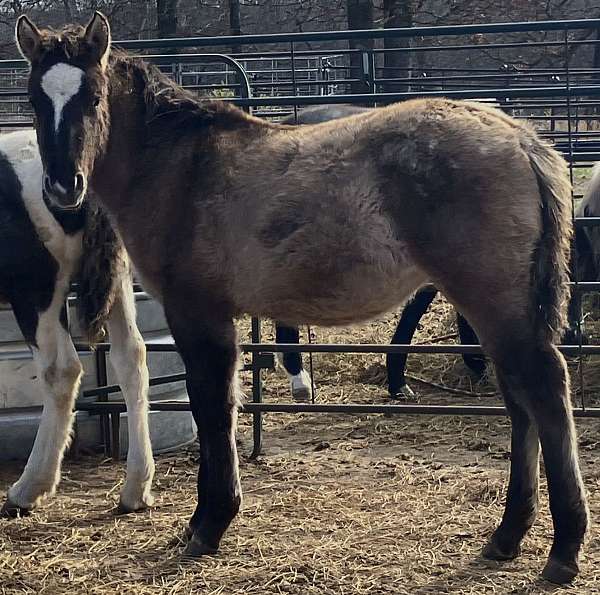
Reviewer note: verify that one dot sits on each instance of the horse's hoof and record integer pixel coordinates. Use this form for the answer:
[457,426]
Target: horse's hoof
[301,385]
[559,573]
[197,548]
[10,510]
[301,394]
[493,551]
[122,508]
[134,506]
[404,393]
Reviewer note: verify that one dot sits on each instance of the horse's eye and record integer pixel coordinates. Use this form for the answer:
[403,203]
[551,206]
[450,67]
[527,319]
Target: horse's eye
[96,101]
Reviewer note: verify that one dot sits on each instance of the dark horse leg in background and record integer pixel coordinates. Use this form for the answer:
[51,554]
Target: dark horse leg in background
[407,325]
[475,362]
[395,362]
[300,381]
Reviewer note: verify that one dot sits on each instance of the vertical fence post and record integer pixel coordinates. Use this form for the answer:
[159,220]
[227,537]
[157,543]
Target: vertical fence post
[580,358]
[102,380]
[256,391]
[294,83]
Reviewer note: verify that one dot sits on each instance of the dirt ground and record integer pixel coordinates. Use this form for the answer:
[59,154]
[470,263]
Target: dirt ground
[335,505]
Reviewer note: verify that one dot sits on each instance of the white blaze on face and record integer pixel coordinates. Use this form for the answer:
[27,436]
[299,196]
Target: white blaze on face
[61,83]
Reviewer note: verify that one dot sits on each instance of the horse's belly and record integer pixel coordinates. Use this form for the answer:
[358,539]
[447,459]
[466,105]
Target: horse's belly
[356,296]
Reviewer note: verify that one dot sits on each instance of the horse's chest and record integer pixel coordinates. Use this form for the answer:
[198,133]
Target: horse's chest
[64,248]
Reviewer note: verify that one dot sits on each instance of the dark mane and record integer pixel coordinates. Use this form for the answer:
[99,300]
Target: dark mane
[103,264]
[164,99]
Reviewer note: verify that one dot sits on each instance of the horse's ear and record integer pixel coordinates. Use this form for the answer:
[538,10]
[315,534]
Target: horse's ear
[97,34]
[28,38]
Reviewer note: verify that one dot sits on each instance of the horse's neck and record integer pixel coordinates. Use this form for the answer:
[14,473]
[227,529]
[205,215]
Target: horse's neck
[113,169]
[134,143]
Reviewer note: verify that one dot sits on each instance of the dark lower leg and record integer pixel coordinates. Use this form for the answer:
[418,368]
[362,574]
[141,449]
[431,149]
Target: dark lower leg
[476,363]
[409,320]
[522,497]
[565,486]
[292,362]
[542,374]
[559,448]
[210,356]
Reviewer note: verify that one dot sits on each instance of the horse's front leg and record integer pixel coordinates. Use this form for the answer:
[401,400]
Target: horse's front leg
[128,358]
[59,373]
[209,351]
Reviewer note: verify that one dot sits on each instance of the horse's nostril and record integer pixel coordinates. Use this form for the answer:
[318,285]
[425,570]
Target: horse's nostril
[79,182]
[47,184]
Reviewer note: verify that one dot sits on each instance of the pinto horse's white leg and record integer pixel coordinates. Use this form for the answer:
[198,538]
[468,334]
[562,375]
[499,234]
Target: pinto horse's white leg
[128,358]
[300,380]
[59,374]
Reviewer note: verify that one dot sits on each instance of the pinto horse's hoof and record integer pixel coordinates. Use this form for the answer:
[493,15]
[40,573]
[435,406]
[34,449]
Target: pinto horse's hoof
[196,548]
[123,508]
[559,573]
[10,510]
[495,551]
[301,387]
[404,393]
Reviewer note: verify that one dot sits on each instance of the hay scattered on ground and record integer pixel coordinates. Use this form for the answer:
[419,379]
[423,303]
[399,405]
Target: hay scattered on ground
[336,504]
[352,505]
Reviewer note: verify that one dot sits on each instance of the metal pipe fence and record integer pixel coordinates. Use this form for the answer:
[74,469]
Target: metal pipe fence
[560,99]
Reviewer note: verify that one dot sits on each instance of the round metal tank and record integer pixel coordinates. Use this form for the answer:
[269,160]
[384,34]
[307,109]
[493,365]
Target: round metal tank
[20,396]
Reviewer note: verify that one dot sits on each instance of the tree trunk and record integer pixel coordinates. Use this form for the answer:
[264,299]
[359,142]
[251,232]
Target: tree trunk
[596,66]
[235,27]
[397,13]
[70,10]
[360,16]
[166,17]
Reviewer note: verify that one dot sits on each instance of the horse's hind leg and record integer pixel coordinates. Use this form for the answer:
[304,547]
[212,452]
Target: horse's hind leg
[407,325]
[522,498]
[128,358]
[300,381]
[535,380]
[475,362]
[59,373]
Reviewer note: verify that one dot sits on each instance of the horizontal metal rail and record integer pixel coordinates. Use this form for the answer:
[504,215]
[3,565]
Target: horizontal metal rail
[494,94]
[440,349]
[427,31]
[324,36]
[357,409]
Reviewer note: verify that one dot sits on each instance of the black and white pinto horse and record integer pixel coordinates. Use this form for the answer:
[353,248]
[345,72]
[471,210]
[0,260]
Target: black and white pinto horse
[300,382]
[42,250]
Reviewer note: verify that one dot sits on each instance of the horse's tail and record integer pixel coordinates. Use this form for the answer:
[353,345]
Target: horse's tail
[550,269]
[103,264]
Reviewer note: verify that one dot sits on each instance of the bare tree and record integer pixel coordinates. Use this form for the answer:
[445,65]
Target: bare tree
[397,58]
[235,26]
[166,17]
[70,10]
[360,16]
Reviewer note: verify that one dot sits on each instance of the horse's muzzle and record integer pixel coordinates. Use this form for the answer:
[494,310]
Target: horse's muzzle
[66,197]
